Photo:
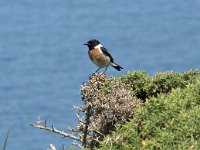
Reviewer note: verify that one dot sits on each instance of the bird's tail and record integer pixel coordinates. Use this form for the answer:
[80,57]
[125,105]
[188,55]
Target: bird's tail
[116,66]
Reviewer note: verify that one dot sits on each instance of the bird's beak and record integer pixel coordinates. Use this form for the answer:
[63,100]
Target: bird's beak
[85,44]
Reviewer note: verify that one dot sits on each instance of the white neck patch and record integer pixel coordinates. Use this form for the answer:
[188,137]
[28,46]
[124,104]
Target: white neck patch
[98,46]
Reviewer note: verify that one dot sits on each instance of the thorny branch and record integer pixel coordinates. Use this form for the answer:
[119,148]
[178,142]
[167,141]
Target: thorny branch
[53,129]
[85,132]
[104,107]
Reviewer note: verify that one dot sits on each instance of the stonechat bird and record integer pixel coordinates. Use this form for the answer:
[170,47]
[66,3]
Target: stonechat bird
[100,56]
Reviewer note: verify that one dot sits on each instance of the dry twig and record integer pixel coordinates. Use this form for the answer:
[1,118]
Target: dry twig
[53,129]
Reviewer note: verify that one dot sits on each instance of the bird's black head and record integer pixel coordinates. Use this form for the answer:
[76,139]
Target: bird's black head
[92,43]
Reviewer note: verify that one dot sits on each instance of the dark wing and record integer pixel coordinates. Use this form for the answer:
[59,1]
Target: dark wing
[105,51]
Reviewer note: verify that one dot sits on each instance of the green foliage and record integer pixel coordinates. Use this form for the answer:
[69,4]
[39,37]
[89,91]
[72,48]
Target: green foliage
[137,81]
[108,85]
[106,88]
[146,86]
[167,121]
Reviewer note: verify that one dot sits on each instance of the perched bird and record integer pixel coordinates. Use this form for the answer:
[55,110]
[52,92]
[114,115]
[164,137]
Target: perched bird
[100,56]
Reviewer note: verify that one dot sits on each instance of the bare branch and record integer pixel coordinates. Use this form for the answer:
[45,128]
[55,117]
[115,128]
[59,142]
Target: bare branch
[79,108]
[53,129]
[85,132]
[77,144]
[73,130]
[80,119]
[52,147]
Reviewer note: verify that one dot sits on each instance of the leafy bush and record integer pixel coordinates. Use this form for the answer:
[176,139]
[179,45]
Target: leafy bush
[146,86]
[168,121]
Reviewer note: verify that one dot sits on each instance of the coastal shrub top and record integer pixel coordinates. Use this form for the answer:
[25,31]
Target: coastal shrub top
[169,118]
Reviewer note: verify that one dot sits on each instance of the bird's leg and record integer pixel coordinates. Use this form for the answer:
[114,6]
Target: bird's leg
[97,70]
[105,70]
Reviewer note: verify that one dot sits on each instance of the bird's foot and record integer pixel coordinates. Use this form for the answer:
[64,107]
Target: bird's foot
[91,75]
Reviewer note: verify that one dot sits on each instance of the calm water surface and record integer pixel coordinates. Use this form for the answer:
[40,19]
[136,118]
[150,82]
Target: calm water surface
[43,60]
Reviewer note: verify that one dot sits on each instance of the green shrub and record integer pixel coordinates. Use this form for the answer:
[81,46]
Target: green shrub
[146,86]
[168,121]
[137,81]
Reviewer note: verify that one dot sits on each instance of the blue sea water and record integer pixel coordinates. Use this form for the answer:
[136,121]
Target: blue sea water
[43,60]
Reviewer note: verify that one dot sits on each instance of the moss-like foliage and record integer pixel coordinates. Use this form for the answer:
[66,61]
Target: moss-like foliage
[164,121]
[138,112]
[146,86]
